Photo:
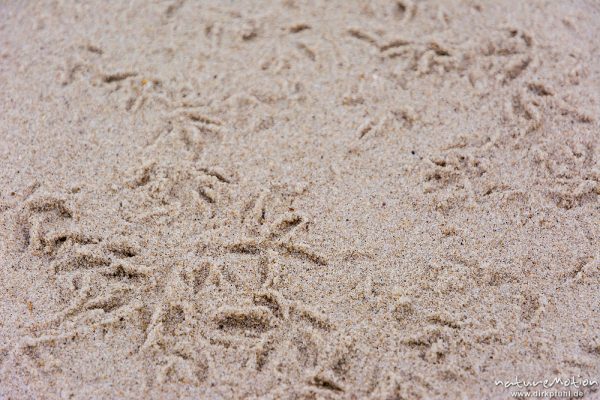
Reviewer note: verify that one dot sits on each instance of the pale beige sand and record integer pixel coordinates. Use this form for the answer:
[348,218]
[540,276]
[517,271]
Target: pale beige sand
[295,200]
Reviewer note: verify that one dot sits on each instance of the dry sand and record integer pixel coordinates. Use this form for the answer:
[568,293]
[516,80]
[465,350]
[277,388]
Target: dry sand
[296,200]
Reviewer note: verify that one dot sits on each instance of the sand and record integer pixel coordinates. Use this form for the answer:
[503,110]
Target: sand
[298,200]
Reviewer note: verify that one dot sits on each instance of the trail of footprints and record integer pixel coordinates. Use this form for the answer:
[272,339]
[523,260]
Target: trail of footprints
[110,280]
[459,175]
[505,59]
[531,103]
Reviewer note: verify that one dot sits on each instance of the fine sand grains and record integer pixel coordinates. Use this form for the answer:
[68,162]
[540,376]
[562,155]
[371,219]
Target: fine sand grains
[298,200]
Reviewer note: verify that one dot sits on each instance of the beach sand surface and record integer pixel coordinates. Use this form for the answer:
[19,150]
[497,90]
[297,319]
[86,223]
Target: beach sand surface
[298,199]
